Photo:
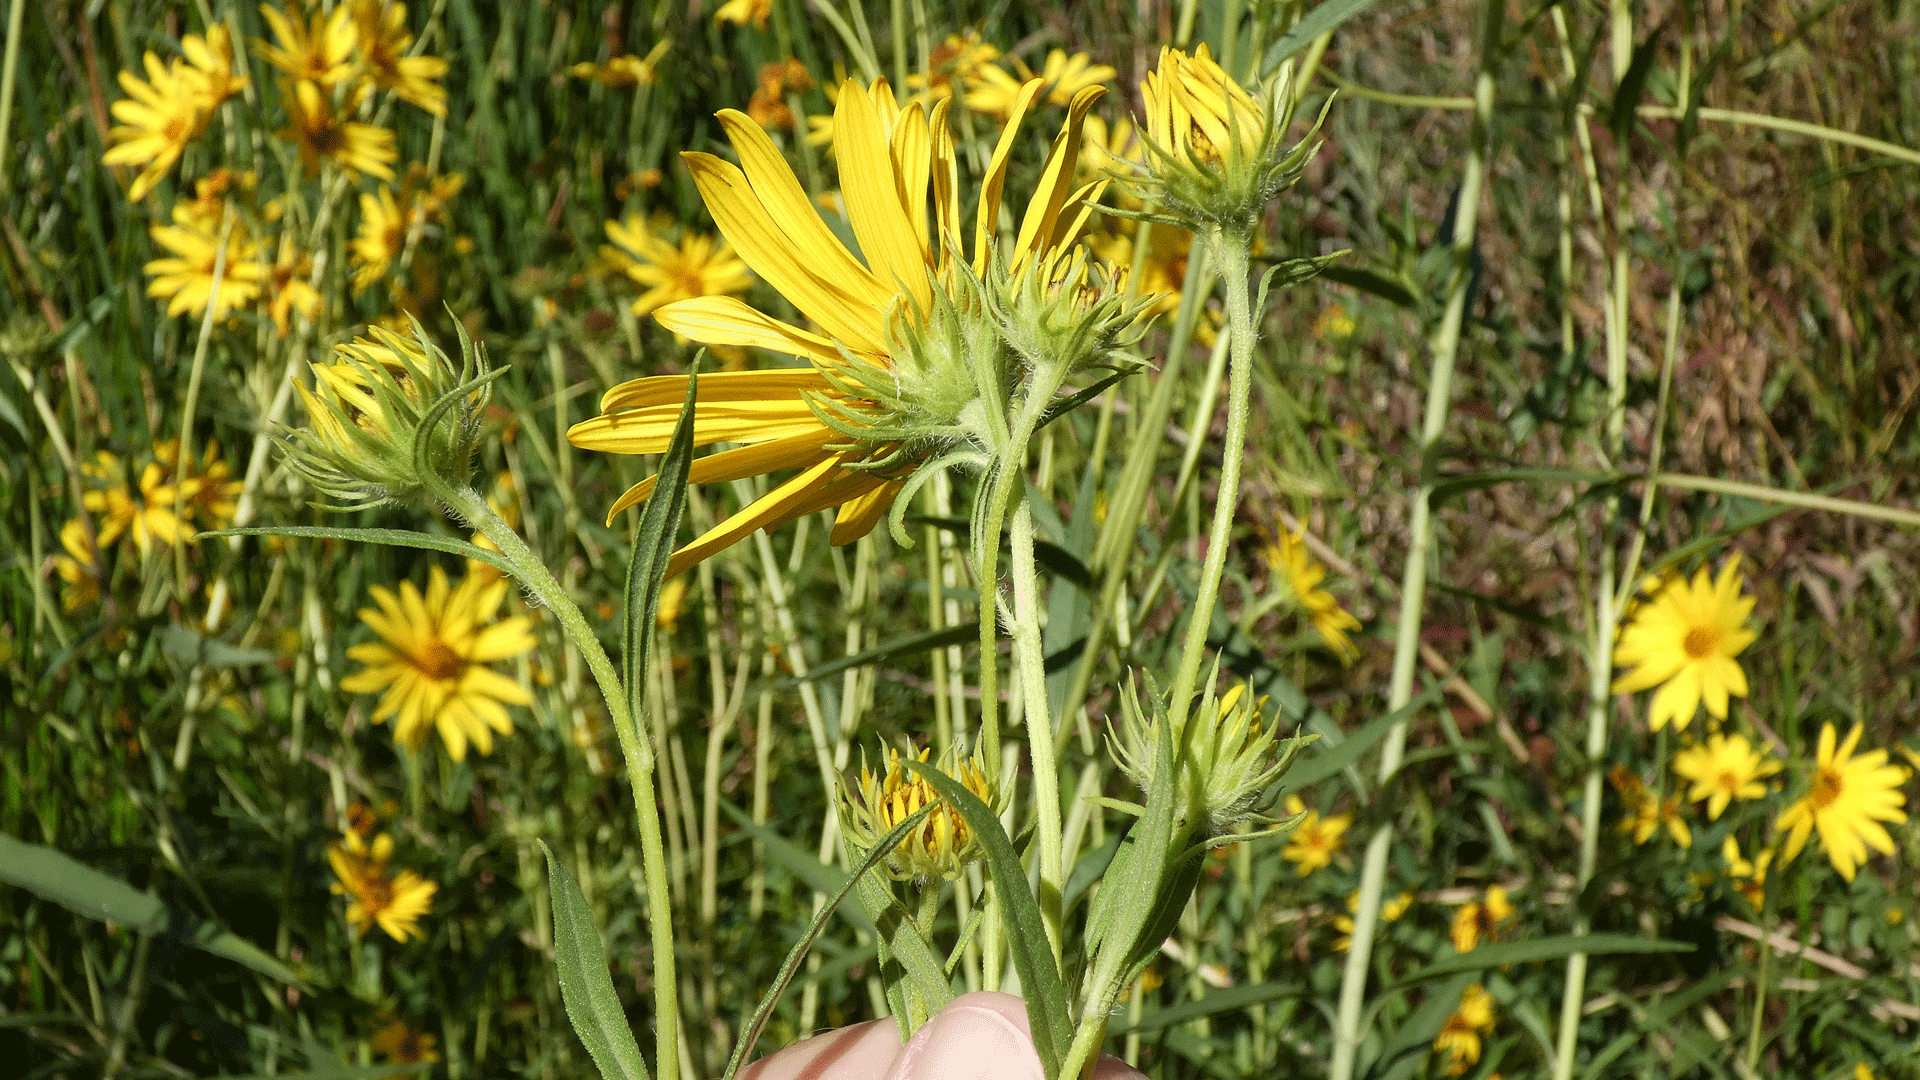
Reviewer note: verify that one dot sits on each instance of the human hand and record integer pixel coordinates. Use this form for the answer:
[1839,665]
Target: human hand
[980,1036]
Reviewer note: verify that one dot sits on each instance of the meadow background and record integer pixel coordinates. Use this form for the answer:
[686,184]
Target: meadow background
[174,709]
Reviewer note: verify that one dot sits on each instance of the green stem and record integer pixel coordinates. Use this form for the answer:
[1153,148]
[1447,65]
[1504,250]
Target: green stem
[1230,249]
[634,747]
[1028,654]
[1413,582]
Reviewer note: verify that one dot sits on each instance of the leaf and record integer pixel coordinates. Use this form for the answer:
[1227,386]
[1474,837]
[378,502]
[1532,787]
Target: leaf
[585,986]
[750,1035]
[1633,85]
[389,537]
[1553,948]
[653,547]
[1447,486]
[1347,751]
[1223,1001]
[79,888]
[1026,931]
[1657,1018]
[1418,1030]
[342,1072]
[1368,281]
[899,648]
[1321,19]
[183,644]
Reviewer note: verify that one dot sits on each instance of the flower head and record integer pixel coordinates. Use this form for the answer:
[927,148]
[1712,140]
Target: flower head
[381,237]
[79,569]
[628,70]
[321,131]
[380,28]
[1224,759]
[148,519]
[1316,840]
[1390,911]
[1459,1038]
[906,360]
[1846,801]
[1643,812]
[158,118]
[1287,556]
[742,12]
[700,265]
[395,902]
[1750,878]
[209,67]
[768,106]
[957,59]
[993,91]
[402,1045]
[1215,152]
[1683,639]
[943,845]
[1722,769]
[1479,919]
[365,443]
[318,50]
[431,662]
[185,276]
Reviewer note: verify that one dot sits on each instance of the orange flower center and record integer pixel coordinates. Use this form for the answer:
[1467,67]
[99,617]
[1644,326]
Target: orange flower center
[439,661]
[1700,642]
[1730,780]
[1827,786]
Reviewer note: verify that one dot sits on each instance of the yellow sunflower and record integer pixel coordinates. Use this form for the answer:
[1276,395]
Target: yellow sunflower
[148,519]
[1479,919]
[381,237]
[210,67]
[321,132]
[1459,1038]
[432,662]
[1684,639]
[318,50]
[1288,556]
[743,12]
[158,118]
[1316,840]
[1749,878]
[380,27]
[700,266]
[394,902]
[628,70]
[289,291]
[185,277]
[79,569]
[1847,801]
[869,314]
[402,1045]
[957,59]
[1724,768]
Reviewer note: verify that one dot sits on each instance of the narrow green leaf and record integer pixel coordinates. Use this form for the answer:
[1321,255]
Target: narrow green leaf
[898,649]
[1376,284]
[585,986]
[653,548]
[1633,85]
[183,644]
[1448,486]
[79,888]
[342,1072]
[1658,1017]
[1316,22]
[927,987]
[389,537]
[1418,1031]
[750,1035]
[1026,930]
[1553,948]
[1341,754]
[1224,1001]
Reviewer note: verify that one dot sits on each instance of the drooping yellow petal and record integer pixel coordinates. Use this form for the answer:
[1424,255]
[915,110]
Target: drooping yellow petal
[880,221]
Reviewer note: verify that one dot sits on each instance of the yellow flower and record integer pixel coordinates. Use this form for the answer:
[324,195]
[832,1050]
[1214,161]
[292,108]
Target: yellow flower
[319,50]
[381,29]
[1198,112]
[957,59]
[768,106]
[149,519]
[1722,769]
[1389,912]
[432,662]
[1333,322]
[1287,555]
[1214,153]
[943,845]
[993,91]
[211,493]
[289,291]
[1066,75]
[209,68]
[1478,919]
[158,118]
[1847,800]
[804,417]
[743,12]
[1686,637]
[320,132]
[1861,1072]
[1750,878]
[79,568]
[394,902]
[1460,1038]
[700,266]
[402,1045]
[381,237]
[1316,840]
[185,278]
[1647,814]
[626,70]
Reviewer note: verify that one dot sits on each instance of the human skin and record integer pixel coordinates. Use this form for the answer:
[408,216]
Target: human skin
[979,1036]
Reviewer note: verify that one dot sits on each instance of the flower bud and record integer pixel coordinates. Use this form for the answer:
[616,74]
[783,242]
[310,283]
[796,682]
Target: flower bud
[1223,756]
[390,419]
[943,845]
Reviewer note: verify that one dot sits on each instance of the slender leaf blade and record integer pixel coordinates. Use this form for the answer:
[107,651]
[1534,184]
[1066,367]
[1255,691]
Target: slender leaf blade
[585,987]
[389,537]
[1321,19]
[653,549]
[1344,753]
[1553,948]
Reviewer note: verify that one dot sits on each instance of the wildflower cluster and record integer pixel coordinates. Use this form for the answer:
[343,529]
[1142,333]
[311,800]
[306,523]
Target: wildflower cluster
[161,506]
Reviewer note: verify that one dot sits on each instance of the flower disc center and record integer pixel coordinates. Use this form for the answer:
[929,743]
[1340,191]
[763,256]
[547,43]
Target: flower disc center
[1827,786]
[438,661]
[1700,642]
